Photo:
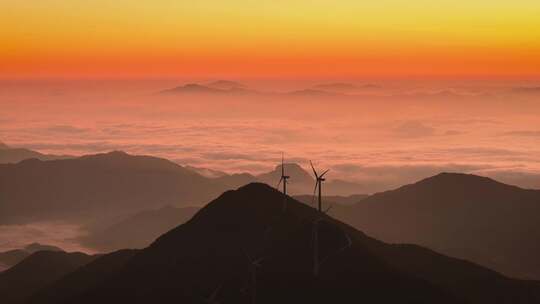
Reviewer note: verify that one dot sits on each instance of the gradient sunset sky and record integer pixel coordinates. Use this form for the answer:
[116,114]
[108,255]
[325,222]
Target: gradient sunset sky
[446,85]
[293,38]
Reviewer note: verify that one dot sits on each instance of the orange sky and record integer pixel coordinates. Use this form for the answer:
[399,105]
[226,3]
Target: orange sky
[244,38]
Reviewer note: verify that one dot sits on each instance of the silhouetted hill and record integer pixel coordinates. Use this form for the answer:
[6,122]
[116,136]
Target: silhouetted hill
[97,185]
[83,278]
[340,87]
[313,93]
[10,155]
[466,216]
[226,85]
[12,257]
[37,271]
[211,254]
[215,88]
[139,230]
[35,247]
[348,88]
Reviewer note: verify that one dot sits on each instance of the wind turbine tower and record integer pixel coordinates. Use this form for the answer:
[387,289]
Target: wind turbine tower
[318,184]
[283,179]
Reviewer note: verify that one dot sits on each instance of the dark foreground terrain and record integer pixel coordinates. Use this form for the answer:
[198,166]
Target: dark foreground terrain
[244,248]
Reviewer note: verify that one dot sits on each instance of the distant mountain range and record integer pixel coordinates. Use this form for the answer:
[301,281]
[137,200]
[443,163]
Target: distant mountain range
[15,155]
[98,185]
[227,87]
[466,216]
[243,248]
[216,87]
[119,184]
[302,182]
[342,87]
[12,257]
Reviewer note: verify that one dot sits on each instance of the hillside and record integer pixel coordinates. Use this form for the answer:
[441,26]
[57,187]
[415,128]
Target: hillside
[466,216]
[37,271]
[211,254]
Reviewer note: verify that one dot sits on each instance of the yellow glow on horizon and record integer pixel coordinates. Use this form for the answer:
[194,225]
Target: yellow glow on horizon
[296,37]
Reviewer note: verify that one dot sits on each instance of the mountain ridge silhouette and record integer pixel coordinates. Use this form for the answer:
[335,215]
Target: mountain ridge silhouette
[213,250]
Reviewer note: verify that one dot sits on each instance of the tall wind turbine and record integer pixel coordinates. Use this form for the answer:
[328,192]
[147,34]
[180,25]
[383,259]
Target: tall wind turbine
[283,179]
[318,184]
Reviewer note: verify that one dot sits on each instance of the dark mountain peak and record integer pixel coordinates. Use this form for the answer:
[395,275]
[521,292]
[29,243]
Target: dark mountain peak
[337,87]
[455,188]
[215,88]
[226,85]
[3,146]
[449,181]
[313,93]
[134,162]
[35,247]
[193,88]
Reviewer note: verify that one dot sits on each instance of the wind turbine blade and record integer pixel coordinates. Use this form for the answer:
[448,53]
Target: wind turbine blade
[313,196]
[214,294]
[282,165]
[325,172]
[314,172]
[279,182]
[258,261]
[247,256]
[328,209]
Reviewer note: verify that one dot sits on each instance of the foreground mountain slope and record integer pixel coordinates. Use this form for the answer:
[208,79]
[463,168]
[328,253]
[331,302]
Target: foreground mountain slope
[97,185]
[37,271]
[211,253]
[466,216]
[83,278]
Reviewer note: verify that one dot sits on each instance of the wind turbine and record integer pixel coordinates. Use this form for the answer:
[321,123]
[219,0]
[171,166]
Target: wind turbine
[317,261]
[253,265]
[318,184]
[283,179]
[212,298]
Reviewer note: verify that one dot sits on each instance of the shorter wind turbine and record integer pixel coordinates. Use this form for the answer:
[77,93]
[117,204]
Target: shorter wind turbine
[212,299]
[283,179]
[318,184]
[253,265]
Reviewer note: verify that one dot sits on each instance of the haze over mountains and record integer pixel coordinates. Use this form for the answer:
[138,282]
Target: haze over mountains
[119,183]
[112,195]
[210,254]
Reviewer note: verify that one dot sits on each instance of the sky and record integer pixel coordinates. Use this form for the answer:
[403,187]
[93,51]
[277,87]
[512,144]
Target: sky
[270,39]
[453,86]
[82,77]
